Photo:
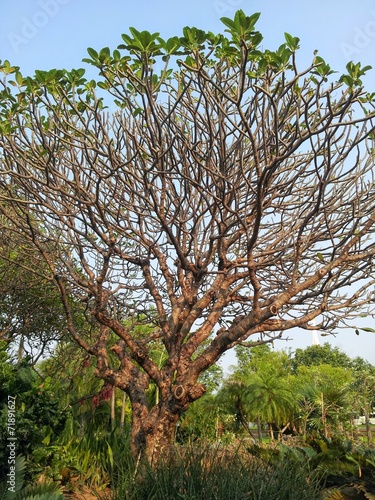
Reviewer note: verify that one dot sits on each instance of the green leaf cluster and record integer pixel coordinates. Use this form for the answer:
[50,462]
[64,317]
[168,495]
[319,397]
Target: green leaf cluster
[242,27]
[145,64]
[353,77]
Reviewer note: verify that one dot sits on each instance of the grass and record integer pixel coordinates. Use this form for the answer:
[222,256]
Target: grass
[214,474]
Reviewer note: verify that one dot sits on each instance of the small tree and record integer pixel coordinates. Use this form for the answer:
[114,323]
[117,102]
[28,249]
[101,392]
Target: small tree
[270,400]
[316,355]
[363,392]
[323,393]
[259,389]
[223,189]
[31,314]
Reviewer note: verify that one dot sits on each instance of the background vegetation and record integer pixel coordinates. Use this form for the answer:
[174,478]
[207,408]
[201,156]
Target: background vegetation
[280,421]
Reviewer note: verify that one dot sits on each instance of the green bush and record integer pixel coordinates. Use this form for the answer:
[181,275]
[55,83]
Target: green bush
[39,417]
[334,463]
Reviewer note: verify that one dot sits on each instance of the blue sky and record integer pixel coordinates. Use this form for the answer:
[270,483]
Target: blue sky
[42,34]
[45,34]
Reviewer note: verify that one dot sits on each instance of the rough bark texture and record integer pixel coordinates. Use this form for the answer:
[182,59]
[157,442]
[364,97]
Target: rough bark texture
[153,434]
[224,205]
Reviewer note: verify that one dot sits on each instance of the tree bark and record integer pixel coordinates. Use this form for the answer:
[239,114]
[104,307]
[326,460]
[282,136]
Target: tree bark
[152,433]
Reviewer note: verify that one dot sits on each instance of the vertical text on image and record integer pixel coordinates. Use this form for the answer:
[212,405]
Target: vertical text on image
[11,446]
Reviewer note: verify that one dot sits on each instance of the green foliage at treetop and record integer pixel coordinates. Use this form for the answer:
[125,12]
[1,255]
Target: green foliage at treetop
[138,70]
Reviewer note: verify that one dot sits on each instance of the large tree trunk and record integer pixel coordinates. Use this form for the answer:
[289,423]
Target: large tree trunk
[153,424]
[153,432]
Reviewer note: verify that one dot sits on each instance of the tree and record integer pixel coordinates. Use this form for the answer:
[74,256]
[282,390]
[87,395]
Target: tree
[363,392]
[323,392]
[270,399]
[248,359]
[31,314]
[201,185]
[316,355]
[232,397]
[259,389]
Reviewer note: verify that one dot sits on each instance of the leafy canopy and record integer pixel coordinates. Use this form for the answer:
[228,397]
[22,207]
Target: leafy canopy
[191,51]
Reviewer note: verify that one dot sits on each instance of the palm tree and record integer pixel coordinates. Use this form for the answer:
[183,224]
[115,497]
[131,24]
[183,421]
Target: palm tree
[325,406]
[233,396]
[270,399]
[323,392]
